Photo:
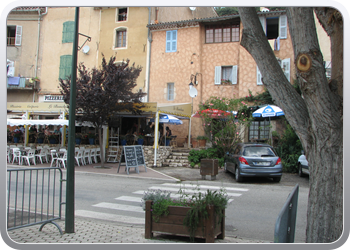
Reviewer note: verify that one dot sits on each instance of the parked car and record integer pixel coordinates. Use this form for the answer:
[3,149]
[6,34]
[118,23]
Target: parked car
[303,165]
[253,160]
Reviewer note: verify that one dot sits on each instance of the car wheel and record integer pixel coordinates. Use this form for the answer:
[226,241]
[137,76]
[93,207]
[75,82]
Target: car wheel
[238,175]
[300,170]
[225,168]
[276,179]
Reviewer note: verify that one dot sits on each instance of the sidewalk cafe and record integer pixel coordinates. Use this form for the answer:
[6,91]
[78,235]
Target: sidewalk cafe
[125,124]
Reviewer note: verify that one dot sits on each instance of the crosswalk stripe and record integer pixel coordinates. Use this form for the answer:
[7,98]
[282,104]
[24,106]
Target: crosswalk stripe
[186,190]
[110,217]
[205,186]
[119,207]
[129,198]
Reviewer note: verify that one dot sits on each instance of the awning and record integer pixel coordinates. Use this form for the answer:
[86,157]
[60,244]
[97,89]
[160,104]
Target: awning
[18,122]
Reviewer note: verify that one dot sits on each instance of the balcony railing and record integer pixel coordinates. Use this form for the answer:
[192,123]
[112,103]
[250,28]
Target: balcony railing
[21,83]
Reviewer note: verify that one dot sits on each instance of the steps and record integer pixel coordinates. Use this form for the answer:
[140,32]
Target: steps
[177,158]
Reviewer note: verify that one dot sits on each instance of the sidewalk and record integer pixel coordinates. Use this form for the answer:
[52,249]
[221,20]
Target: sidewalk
[88,230]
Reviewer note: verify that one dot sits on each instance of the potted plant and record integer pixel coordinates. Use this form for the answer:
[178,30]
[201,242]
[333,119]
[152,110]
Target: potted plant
[52,139]
[202,140]
[91,137]
[78,139]
[123,140]
[40,138]
[16,136]
[140,139]
[225,82]
[197,216]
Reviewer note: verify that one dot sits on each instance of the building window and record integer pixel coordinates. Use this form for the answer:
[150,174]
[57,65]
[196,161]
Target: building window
[274,27]
[121,38]
[68,32]
[222,33]
[259,130]
[225,75]
[65,66]
[171,41]
[122,14]
[170,91]
[14,35]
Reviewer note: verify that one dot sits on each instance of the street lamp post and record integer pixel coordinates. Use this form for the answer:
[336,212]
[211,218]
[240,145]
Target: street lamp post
[193,93]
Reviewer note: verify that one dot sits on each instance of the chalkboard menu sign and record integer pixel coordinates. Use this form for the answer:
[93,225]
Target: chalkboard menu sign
[133,157]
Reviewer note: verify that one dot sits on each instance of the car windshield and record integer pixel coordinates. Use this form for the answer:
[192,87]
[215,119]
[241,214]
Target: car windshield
[258,152]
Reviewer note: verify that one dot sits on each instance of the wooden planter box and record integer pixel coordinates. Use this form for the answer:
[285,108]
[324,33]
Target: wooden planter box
[202,143]
[209,167]
[209,229]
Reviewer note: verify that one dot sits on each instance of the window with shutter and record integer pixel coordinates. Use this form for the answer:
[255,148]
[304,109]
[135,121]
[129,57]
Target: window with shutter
[65,66]
[283,27]
[14,35]
[225,75]
[258,76]
[171,41]
[18,35]
[170,91]
[286,68]
[68,32]
[274,27]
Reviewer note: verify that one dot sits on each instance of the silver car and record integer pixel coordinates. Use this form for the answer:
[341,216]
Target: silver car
[303,165]
[253,160]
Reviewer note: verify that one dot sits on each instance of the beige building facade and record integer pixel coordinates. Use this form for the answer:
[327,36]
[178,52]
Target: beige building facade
[207,51]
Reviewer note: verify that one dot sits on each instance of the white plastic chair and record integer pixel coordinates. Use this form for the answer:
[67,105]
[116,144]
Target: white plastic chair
[29,157]
[97,154]
[8,154]
[54,157]
[79,156]
[86,155]
[17,156]
[62,160]
[42,155]
[93,155]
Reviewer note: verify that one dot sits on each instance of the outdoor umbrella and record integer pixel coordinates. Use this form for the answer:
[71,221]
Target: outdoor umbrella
[268,111]
[169,119]
[212,113]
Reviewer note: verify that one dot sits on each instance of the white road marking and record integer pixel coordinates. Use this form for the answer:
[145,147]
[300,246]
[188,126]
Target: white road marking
[110,217]
[120,207]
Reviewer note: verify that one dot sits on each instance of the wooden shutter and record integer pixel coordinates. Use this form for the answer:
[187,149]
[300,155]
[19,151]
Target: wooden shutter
[283,27]
[263,23]
[65,66]
[234,74]
[18,39]
[286,68]
[258,76]
[217,77]
[171,41]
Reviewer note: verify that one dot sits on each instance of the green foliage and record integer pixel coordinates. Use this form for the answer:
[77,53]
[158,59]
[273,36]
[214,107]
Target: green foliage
[197,202]
[223,129]
[195,156]
[289,148]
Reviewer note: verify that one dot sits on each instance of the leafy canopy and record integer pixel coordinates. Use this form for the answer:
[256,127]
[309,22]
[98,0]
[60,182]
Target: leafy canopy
[103,92]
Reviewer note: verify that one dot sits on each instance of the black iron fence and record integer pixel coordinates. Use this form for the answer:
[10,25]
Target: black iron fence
[286,220]
[34,196]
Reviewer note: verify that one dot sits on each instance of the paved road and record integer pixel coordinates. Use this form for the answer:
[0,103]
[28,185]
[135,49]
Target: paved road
[252,211]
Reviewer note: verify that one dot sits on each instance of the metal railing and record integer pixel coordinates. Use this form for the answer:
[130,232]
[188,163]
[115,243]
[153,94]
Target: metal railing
[34,196]
[286,220]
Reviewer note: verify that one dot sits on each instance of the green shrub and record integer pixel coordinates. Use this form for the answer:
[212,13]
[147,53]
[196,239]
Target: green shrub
[289,148]
[195,156]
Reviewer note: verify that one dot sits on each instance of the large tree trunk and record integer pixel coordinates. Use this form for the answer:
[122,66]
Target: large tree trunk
[316,117]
